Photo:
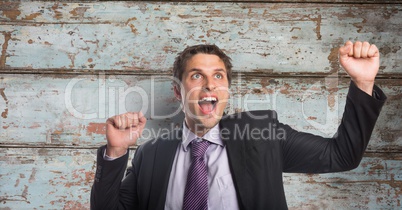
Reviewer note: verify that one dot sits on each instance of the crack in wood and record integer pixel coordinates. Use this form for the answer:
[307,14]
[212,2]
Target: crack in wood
[3,95]
[3,56]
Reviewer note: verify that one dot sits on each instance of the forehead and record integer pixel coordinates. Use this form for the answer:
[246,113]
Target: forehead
[205,62]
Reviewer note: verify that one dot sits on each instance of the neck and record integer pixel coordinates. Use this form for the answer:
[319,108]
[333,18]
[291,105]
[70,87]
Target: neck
[197,129]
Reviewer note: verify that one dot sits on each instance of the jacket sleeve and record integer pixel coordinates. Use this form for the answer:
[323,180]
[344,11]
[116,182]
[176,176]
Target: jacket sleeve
[110,190]
[308,153]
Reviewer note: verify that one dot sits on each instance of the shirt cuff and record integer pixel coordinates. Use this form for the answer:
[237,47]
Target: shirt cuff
[107,158]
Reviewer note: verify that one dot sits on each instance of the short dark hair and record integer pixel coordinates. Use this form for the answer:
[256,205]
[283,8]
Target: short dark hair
[182,58]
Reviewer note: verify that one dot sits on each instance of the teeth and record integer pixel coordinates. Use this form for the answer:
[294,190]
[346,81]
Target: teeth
[208,99]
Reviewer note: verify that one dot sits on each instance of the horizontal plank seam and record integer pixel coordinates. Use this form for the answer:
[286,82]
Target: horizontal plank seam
[269,1]
[28,146]
[258,73]
[12,146]
[252,1]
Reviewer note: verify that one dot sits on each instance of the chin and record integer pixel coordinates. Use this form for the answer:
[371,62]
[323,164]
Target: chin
[204,122]
[211,121]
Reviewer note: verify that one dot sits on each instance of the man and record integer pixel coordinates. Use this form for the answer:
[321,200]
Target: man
[231,169]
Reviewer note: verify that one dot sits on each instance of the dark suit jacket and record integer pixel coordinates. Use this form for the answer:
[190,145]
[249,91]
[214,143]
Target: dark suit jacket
[259,150]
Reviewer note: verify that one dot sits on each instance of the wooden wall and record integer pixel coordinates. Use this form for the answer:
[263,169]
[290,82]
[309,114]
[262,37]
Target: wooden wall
[66,66]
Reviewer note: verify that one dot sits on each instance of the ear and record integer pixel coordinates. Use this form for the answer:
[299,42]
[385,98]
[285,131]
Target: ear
[177,92]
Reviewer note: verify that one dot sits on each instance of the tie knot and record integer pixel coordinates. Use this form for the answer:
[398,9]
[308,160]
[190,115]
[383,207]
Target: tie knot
[198,149]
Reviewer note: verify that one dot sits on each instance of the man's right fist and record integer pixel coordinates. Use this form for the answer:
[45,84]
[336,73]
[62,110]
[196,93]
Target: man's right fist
[123,131]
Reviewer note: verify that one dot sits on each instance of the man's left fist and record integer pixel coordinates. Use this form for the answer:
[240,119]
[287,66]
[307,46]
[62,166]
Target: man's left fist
[361,61]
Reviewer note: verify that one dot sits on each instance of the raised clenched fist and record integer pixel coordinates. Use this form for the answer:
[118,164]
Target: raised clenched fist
[122,131]
[361,60]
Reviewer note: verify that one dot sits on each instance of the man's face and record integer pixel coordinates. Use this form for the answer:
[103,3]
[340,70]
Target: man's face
[204,92]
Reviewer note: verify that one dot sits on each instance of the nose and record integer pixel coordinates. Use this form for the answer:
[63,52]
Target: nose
[209,84]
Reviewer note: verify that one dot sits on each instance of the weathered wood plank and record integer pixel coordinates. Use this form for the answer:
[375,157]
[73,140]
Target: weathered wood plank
[51,124]
[70,111]
[274,38]
[265,1]
[292,1]
[371,186]
[48,178]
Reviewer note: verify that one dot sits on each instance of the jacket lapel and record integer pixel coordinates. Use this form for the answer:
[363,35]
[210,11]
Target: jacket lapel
[164,157]
[237,161]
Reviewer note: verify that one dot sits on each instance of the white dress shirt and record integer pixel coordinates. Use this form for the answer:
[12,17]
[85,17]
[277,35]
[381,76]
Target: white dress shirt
[222,193]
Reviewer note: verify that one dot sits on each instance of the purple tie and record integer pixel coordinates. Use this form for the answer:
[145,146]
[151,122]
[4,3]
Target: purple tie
[196,192]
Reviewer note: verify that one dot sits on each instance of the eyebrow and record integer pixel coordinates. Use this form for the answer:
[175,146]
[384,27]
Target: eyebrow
[199,70]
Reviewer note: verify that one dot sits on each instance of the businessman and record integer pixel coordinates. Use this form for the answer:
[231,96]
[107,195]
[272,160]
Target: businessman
[217,161]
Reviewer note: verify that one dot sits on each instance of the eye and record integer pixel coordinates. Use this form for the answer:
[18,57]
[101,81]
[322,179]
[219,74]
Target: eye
[196,76]
[218,76]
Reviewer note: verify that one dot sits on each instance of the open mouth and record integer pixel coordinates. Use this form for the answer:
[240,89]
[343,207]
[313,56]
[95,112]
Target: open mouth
[208,104]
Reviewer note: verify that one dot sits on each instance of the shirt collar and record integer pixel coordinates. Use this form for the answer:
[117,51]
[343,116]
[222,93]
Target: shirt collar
[213,136]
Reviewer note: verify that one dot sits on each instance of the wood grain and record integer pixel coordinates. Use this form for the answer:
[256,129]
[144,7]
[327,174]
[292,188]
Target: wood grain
[66,66]
[274,38]
[71,111]
[52,178]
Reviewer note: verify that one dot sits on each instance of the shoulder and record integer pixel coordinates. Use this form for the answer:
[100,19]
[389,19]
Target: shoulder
[250,116]
[162,146]
[151,145]
[251,125]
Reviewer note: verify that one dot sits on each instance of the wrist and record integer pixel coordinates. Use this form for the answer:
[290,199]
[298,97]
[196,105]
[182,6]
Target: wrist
[115,152]
[366,86]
